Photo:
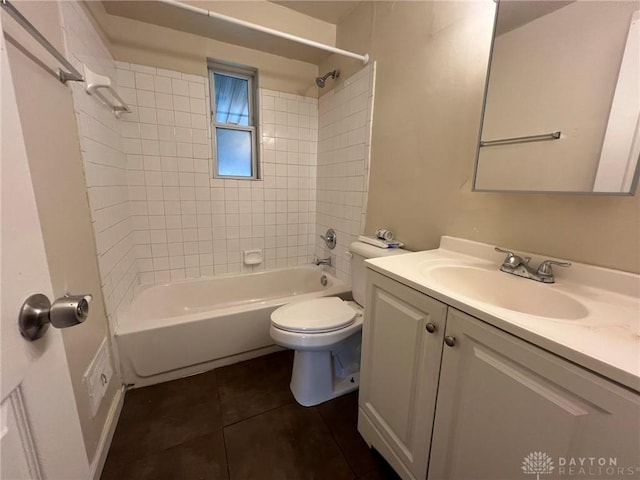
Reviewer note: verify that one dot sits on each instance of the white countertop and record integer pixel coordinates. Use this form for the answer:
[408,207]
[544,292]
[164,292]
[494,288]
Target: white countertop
[605,340]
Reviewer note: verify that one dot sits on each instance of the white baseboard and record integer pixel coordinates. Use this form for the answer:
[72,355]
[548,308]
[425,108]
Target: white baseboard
[107,435]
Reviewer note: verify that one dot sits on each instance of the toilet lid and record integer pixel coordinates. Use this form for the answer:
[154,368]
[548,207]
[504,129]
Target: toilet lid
[318,315]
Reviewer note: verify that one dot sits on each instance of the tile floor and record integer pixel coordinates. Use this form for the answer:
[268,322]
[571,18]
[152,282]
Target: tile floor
[239,422]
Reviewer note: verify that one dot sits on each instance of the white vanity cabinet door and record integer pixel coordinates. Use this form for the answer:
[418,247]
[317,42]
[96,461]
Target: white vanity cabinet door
[399,372]
[502,400]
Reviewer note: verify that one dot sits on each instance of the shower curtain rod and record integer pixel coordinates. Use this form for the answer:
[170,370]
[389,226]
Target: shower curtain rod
[208,13]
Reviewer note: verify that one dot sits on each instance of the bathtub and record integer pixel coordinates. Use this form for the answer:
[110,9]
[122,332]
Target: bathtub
[187,327]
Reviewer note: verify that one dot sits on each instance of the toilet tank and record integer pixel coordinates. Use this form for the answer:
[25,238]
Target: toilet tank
[359,253]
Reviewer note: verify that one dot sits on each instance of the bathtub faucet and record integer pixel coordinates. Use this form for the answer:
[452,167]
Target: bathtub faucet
[322,261]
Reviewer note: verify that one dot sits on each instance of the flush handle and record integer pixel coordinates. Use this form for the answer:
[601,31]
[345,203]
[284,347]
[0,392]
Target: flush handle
[37,313]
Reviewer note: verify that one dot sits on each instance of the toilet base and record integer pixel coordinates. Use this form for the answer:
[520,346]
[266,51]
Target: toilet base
[313,380]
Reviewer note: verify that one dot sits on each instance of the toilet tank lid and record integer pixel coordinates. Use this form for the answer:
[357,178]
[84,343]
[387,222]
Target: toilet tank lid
[369,251]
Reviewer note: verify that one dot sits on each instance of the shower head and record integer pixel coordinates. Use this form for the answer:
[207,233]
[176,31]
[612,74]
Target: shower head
[320,81]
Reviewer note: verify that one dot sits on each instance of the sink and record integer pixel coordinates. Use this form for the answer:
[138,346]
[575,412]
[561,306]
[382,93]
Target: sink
[507,291]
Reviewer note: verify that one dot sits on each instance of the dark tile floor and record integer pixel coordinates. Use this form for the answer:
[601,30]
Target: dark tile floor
[239,422]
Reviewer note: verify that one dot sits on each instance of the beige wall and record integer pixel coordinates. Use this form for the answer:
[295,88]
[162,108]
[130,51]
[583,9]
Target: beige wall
[431,64]
[146,44]
[51,138]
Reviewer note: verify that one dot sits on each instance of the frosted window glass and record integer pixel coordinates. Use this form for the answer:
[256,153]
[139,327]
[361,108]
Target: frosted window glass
[232,99]
[234,152]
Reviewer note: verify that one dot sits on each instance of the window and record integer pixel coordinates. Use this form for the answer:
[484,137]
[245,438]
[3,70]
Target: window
[233,120]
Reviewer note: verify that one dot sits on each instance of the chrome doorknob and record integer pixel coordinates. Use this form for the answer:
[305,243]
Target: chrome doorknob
[37,313]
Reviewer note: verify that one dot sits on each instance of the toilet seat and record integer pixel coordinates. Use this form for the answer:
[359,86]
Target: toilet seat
[320,315]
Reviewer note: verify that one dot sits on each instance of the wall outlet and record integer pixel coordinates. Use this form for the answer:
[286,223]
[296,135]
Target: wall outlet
[98,376]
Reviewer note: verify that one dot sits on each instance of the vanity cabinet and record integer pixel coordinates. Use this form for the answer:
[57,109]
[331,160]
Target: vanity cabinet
[399,372]
[470,401]
[501,399]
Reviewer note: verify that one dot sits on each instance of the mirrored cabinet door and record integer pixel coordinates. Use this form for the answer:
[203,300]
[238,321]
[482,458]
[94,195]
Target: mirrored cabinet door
[562,104]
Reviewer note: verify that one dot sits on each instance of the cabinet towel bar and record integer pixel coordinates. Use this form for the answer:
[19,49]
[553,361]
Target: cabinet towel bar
[526,139]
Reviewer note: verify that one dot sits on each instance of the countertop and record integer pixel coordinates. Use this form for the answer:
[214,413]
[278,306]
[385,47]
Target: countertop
[606,340]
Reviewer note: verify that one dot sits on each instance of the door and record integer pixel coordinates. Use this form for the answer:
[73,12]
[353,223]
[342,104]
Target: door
[40,434]
[509,410]
[401,350]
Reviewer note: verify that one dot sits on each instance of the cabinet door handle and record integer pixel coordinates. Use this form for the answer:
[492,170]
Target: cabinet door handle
[430,327]
[450,341]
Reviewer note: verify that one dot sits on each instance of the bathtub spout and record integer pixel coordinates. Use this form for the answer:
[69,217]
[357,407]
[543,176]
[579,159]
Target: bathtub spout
[322,261]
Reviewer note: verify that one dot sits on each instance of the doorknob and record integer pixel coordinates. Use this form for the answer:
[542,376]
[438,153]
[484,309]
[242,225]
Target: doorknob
[37,313]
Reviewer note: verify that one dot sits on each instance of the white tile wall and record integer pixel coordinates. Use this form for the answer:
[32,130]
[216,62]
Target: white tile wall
[345,115]
[159,215]
[289,126]
[104,165]
[187,224]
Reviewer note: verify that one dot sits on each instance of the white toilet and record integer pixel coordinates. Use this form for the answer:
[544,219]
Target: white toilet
[325,334]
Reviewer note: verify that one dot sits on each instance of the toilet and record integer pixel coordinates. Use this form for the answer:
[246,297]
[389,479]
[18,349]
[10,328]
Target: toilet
[326,334]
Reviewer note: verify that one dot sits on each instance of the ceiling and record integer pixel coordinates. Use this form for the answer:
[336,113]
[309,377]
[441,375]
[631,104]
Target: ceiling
[328,11]
[513,14]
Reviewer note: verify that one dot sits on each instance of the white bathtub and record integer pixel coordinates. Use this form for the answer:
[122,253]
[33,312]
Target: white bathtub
[178,329]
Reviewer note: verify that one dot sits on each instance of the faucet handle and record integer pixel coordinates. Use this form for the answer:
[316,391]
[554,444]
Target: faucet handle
[545,267]
[502,250]
[511,257]
[330,238]
[512,260]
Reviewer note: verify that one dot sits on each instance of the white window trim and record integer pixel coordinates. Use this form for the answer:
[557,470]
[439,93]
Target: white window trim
[251,76]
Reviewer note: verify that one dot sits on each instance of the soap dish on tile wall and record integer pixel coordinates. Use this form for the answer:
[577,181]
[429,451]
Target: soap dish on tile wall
[252,257]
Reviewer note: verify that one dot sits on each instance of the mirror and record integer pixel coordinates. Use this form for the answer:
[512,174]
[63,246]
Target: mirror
[562,102]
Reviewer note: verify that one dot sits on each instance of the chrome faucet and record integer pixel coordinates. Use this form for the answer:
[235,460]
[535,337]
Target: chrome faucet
[322,261]
[519,266]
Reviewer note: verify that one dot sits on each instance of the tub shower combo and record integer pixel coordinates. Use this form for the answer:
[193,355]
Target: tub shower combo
[187,327]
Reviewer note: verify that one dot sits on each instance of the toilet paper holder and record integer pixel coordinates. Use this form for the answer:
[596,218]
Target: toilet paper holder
[38,312]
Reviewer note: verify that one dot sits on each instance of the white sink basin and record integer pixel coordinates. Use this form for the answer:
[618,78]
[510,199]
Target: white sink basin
[507,291]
